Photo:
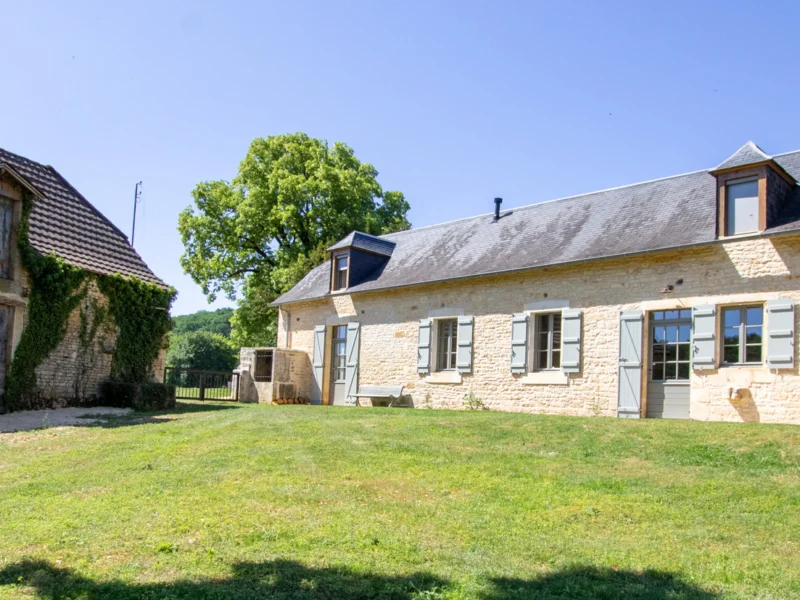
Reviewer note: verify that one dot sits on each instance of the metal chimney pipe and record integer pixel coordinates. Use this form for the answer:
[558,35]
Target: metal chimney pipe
[497,203]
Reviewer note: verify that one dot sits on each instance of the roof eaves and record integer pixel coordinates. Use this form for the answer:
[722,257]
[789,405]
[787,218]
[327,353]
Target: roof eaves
[14,174]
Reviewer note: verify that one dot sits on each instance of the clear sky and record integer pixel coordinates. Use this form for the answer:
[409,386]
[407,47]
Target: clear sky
[453,102]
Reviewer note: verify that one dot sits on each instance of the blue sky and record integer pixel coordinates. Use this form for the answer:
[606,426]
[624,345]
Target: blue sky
[453,102]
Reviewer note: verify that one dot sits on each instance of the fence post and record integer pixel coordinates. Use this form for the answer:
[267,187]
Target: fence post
[202,385]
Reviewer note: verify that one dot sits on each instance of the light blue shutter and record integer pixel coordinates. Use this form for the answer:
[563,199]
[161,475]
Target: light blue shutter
[318,363]
[704,330]
[464,352]
[424,346]
[571,340]
[351,367]
[629,381]
[519,343]
[780,334]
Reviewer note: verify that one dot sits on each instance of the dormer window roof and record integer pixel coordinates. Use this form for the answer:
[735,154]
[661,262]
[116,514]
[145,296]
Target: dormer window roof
[366,242]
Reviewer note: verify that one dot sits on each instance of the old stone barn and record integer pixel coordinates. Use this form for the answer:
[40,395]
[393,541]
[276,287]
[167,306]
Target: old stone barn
[78,305]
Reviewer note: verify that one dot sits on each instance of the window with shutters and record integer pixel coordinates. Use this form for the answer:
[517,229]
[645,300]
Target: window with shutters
[446,344]
[340,270]
[6,217]
[547,341]
[742,335]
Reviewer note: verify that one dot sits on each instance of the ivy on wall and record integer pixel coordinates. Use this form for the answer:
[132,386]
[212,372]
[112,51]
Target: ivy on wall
[139,309]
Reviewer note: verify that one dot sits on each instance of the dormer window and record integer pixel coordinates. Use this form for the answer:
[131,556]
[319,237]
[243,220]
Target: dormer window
[752,192]
[742,206]
[340,269]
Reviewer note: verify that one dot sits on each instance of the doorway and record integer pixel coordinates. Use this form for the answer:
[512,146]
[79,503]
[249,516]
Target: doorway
[668,387]
[338,364]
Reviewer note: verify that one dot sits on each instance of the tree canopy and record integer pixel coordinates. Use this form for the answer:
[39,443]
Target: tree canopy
[201,350]
[217,321]
[255,237]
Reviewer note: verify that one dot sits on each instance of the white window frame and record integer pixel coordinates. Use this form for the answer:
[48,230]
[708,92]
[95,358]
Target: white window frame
[533,336]
[337,270]
[437,322]
[728,185]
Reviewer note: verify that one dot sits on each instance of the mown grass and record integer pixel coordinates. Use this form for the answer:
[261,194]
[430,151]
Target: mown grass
[297,502]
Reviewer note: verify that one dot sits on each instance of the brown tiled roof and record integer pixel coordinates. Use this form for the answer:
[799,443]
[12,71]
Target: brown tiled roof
[65,223]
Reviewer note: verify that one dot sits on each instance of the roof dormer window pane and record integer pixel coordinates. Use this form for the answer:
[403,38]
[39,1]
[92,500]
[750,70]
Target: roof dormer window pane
[741,200]
[340,276]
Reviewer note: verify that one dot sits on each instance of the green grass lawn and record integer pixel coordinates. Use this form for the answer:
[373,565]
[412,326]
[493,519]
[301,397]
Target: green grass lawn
[296,502]
[212,393]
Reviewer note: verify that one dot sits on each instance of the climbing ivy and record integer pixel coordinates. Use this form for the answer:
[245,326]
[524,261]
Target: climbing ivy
[55,291]
[140,310]
[141,313]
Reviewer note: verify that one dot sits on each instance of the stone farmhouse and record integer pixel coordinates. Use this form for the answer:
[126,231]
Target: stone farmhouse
[64,224]
[670,298]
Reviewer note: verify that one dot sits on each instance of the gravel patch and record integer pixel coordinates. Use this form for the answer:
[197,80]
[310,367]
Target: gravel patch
[61,417]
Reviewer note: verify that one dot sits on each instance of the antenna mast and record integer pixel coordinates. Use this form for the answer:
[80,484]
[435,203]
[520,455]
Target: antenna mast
[137,198]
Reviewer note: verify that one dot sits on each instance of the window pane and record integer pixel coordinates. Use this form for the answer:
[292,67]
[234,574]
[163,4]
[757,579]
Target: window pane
[754,335]
[556,331]
[542,360]
[742,207]
[556,359]
[686,314]
[658,372]
[731,354]
[658,316]
[658,353]
[731,317]
[684,351]
[755,316]
[670,371]
[683,371]
[672,352]
[685,333]
[659,334]
[753,354]
[672,314]
[672,333]
[731,336]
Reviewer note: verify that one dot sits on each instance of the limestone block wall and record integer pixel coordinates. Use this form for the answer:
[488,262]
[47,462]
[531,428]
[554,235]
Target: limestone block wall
[753,270]
[291,376]
[75,369]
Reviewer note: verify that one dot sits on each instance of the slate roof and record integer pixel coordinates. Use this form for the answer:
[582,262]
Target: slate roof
[749,154]
[65,223]
[365,241]
[673,212]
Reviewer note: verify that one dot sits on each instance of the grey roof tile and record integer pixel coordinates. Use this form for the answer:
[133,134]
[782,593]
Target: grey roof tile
[365,241]
[65,223]
[749,154]
[666,213]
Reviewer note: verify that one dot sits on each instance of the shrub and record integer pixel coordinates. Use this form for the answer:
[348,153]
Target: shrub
[472,402]
[138,396]
[201,350]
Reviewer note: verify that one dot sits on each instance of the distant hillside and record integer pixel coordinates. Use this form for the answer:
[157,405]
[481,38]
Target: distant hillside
[218,321]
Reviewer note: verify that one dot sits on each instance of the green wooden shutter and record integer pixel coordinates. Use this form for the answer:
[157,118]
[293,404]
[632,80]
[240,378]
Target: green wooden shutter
[571,340]
[704,336]
[318,363]
[519,343]
[351,368]
[464,351]
[780,334]
[424,346]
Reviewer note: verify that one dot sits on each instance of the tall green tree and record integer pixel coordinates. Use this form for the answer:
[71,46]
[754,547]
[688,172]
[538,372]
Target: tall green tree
[255,237]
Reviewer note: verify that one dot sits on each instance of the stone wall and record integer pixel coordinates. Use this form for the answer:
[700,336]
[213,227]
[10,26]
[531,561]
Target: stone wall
[74,370]
[752,270]
[291,376]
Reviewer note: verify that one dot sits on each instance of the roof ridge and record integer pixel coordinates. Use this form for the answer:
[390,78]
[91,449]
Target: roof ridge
[573,197]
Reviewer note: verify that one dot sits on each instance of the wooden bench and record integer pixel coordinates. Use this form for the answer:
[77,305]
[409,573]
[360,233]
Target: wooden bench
[393,392]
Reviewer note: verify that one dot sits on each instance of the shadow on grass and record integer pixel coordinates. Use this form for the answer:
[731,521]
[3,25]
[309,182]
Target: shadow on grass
[289,580]
[163,416]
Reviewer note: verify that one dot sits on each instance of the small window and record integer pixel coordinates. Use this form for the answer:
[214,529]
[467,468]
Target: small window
[263,366]
[340,272]
[741,207]
[742,335]
[6,216]
[339,352]
[447,345]
[547,342]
